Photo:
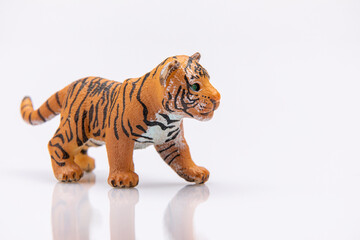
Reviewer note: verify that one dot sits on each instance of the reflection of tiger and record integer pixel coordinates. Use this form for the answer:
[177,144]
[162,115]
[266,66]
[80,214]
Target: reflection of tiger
[131,115]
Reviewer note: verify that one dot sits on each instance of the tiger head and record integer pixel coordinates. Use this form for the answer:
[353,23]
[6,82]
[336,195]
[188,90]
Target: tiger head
[188,91]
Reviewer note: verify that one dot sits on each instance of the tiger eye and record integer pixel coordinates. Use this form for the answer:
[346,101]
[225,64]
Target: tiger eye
[195,87]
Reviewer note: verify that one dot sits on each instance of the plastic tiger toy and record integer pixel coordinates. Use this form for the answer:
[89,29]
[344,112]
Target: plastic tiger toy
[125,116]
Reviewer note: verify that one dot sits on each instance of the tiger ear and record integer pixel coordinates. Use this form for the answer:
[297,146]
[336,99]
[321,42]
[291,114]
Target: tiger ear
[196,56]
[167,70]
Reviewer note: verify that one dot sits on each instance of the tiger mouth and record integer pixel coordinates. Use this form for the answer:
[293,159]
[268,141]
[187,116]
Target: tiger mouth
[206,113]
[215,106]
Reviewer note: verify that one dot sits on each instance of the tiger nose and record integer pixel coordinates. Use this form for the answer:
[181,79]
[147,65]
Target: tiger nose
[216,98]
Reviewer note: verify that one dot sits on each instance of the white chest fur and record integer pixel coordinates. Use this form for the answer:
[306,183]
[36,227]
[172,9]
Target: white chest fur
[156,135]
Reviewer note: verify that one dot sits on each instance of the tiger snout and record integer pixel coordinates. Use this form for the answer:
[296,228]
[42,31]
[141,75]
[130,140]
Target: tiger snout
[215,99]
[216,104]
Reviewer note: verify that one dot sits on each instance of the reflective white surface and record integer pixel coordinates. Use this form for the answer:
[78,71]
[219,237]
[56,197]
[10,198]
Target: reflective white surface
[36,206]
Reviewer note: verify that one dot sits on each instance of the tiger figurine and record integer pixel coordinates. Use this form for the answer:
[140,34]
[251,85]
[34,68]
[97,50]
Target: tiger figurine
[134,114]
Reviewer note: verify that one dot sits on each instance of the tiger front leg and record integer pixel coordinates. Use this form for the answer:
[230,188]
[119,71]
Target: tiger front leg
[177,155]
[120,154]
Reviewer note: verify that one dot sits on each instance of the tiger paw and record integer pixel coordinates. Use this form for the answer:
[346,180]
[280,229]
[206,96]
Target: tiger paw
[71,172]
[85,162]
[123,179]
[194,174]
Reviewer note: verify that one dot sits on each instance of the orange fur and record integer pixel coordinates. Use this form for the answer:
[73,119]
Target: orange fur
[126,116]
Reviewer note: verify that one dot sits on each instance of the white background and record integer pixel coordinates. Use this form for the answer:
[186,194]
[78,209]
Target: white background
[282,149]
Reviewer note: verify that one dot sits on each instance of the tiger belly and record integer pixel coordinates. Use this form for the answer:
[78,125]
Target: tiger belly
[154,134]
[94,143]
[141,145]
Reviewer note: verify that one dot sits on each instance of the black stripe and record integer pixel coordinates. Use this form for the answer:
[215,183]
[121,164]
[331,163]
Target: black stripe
[123,111]
[30,119]
[141,128]
[168,140]
[170,154]
[83,151]
[65,154]
[167,148]
[145,110]
[173,159]
[115,120]
[167,103]
[113,97]
[188,65]
[57,98]
[61,164]
[96,120]
[85,138]
[48,106]
[184,104]
[79,142]
[83,84]
[66,132]
[176,96]
[42,118]
[167,118]
[59,136]
[91,112]
[26,105]
[133,87]
[170,133]
[135,134]
[105,112]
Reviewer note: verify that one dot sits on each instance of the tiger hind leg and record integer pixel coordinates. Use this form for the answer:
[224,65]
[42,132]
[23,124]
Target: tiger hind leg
[62,158]
[85,162]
